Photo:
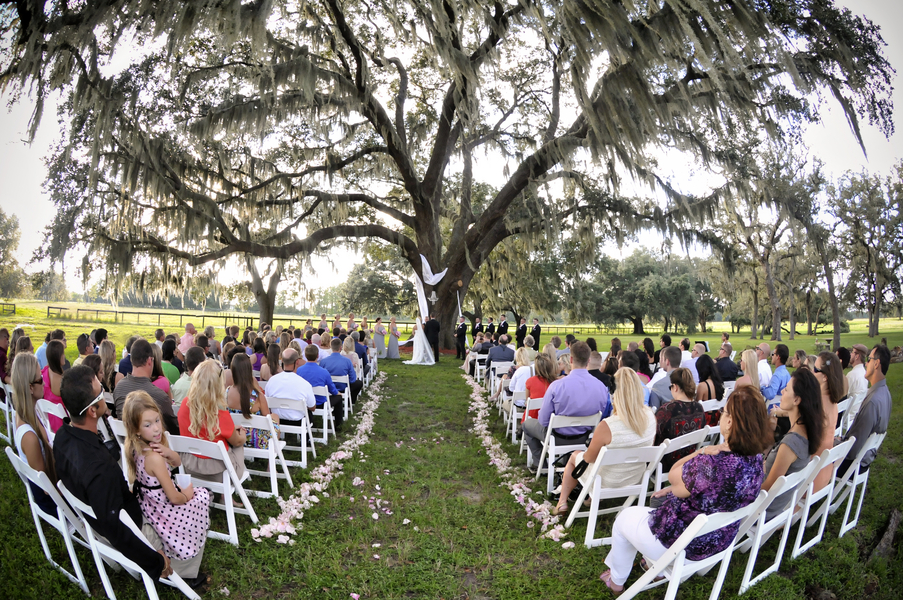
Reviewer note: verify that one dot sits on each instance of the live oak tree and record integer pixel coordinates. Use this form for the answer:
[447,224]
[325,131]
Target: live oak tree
[273,129]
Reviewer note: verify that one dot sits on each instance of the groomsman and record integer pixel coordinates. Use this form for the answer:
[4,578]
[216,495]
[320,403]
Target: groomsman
[461,338]
[535,333]
[503,325]
[521,332]
[490,327]
[477,328]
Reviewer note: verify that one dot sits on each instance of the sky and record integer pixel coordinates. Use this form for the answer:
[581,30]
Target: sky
[22,169]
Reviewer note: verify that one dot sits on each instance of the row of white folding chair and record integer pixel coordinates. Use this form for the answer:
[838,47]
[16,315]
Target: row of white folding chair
[324,412]
[272,453]
[696,439]
[496,370]
[553,450]
[224,484]
[842,408]
[479,371]
[45,408]
[303,431]
[845,486]
[102,550]
[9,414]
[853,410]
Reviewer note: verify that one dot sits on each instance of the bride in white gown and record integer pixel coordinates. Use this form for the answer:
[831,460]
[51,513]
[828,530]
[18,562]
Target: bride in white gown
[423,354]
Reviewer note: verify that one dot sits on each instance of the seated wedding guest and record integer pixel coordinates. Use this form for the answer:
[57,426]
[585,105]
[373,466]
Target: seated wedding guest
[844,355]
[271,366]
[727,369]
[720,478]
[642,370]
[631,361]
[564,363]
[52,376]
[245,397]
[631,425]
[529,342]
[749,364]
[32,443]
[85,467]
[649,348]
[555,341]
[349,352]
[176,519]
[214,347]
[194,357]
[594,366]
[517,375]
[204,415]
[468,359]
[550,350]
[763,353]
[287,385]
[24,346]
[317,376]
[140,379]
[125,365]
[798,359]
[107,355]
[830,379]
[361,350]
[663,342]
[10,351]
[537,385]
[167,354]
[158,377]
[682,415]
[341,366]
[710,386]
[801,404]
[259,355]
[874,411]
[501,353]
[578,394]
[780,377]
[857,384]
[83,343]
[569,340]
[661,384]
[591,342]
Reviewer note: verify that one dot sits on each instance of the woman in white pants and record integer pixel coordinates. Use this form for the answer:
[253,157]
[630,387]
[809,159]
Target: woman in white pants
[721,478]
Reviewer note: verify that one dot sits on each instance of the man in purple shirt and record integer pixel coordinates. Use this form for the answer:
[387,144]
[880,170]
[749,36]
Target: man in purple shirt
[317,376]
[579,394]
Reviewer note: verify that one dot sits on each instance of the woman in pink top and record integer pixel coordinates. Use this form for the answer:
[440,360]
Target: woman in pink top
[158,377]
[52,375]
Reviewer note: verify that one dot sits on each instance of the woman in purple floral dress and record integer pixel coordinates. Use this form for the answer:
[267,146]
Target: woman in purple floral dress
[714,479]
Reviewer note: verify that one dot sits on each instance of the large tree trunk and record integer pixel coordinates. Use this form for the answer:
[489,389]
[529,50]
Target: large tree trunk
[773,300]
[809,312]
[638,326]
[876,314]
[792,317]
[265,295]
[832,295]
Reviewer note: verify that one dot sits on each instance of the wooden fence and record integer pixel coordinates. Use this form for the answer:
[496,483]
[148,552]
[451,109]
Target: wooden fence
[7,308]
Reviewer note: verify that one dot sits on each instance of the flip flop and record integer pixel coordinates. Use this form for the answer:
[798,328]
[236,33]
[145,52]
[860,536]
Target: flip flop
[606,579]
[560,511]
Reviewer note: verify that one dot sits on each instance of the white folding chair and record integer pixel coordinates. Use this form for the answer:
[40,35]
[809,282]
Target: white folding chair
[852,411]
[532,404]
[515,414]
[272,453]
[45,408]
[674,566]
[64,516]
[479,370]
[553,450]
[733,354]
[304,431]
[728,389]
[842,407]
[712,405]
[118,428]
[101,550]
[496,370]
[651,456]
[325,412]
[714,437]
[225,484]
[695,439]
[256,375]
[758,534]
[846,485]
[6,405]
[346,393]
[830,459]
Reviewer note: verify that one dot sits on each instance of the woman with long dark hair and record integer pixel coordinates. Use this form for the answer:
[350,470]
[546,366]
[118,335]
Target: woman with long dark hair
[649,347]
[246,397]
[710,385]
[830,379]
[801,403]
[52,375]
[272,366]
[643,370]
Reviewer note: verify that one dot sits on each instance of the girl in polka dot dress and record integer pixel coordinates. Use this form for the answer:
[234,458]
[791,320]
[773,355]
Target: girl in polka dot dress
[180,516]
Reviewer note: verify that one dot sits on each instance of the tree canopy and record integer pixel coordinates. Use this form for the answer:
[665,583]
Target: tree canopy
[276,128]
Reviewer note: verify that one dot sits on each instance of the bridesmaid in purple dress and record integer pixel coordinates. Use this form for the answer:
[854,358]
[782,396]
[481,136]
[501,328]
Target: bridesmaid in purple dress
[720,478]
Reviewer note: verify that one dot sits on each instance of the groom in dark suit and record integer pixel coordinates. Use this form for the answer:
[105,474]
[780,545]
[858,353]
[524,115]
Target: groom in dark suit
[537,330]
[431,329]
[461,339]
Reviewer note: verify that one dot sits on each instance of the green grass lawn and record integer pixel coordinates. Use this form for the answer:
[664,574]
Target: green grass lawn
[467,537]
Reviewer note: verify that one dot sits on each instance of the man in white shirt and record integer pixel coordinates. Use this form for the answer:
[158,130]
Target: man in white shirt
[288,385]
[857,383]
[763,352]
[698,350]
[685,354]
[661,381]
[187,340]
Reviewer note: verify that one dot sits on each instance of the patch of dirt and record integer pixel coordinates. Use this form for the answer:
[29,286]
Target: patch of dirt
[816,592]
[471,496]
